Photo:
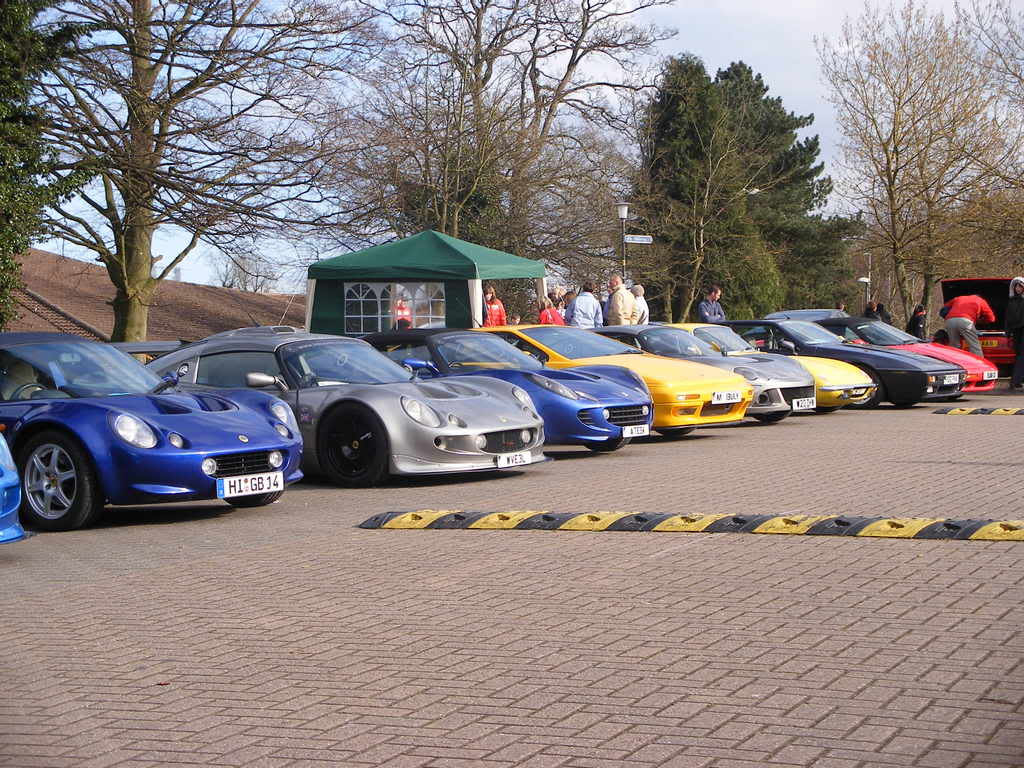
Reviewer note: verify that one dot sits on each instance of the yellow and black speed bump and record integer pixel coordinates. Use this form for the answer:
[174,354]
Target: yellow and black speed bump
[980,411]
[806,525]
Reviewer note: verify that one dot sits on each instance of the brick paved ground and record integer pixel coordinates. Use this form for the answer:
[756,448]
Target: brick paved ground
[288,637]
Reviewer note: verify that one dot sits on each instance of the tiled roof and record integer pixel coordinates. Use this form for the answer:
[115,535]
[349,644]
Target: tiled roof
[72,296]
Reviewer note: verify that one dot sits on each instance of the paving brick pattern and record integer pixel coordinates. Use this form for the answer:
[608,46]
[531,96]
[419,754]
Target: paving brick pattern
[288,637]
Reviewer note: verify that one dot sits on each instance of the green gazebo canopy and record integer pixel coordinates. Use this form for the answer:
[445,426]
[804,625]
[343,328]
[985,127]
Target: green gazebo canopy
[428,256]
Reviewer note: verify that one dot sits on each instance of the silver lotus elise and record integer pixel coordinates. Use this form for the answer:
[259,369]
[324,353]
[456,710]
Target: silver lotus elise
[363,417]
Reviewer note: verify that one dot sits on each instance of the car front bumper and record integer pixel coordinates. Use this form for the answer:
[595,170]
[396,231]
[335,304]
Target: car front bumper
[421,454]
[10,528]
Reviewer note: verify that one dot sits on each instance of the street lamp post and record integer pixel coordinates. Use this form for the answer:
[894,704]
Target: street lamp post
[623,211]
[867,288]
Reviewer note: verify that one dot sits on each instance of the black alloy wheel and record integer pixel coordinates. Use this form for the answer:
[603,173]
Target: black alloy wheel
[353,447]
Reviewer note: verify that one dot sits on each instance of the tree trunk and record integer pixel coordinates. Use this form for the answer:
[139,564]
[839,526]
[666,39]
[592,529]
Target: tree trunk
[131,318]
[132,274]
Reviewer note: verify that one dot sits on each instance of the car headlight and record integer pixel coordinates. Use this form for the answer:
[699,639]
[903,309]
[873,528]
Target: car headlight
[552,386]
[421,412]
[275,459]
[522,396]
[283,413]
[746,373]
[6,459]
[134,431]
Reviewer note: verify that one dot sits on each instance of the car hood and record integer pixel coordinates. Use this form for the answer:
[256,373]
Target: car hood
[829,372]
[950,355]
[884,358]
[665,372]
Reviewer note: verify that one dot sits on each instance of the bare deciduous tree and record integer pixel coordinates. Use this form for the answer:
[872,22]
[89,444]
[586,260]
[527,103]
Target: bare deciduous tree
[206,117]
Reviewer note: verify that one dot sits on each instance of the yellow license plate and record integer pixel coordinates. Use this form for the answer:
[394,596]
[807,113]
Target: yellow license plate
[990,343]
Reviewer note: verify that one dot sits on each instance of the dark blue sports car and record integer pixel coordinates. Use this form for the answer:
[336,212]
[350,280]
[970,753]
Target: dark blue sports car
[601,407]
[89,425]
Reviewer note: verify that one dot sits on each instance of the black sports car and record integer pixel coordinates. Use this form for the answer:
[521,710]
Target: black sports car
[903,378]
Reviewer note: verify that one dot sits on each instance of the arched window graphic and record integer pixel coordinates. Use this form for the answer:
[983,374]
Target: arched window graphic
[362,308]
[428,305]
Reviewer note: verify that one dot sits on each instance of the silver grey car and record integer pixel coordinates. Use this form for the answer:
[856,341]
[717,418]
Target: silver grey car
[362,416]
[781,386]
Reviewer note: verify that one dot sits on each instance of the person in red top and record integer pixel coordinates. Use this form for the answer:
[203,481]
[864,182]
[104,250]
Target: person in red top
[962,316]
[547,314]
[401,314]
[494,310]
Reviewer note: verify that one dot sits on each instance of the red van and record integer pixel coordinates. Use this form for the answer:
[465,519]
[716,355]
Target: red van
[995,345]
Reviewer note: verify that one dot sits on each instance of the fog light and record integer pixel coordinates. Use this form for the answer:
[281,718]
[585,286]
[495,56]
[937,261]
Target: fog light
[606,413]
[645,410]
[282,430]
[763,398]
[929,390]
[481,441]
[276,459]
[209,467]
[931,379]
[440,442]
[525,435]
[176,440]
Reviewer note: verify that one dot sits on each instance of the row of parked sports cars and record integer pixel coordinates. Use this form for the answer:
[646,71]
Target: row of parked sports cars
[242,414]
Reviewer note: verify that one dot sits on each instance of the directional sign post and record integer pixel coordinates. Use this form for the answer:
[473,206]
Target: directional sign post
[639,239]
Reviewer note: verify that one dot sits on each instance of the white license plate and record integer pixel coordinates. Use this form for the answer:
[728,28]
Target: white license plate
[726,397]
[805,403]
[989,375]
[520,459]
[637,430]
[246,485]
[951,378]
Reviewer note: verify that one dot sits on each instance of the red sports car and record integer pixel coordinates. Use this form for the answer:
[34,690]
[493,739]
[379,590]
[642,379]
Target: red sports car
[996,346]
[981,374]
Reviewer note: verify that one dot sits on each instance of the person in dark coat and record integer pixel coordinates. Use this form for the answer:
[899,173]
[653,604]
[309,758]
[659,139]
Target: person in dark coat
[871,310]
[917,324]
[1014,326]
[883,313]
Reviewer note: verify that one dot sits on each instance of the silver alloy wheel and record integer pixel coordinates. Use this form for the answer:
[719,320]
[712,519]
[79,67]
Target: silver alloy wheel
[50,481]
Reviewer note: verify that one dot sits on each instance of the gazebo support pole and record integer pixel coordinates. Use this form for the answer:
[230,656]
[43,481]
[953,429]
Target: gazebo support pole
[476,302]
[310,293]
[541,284]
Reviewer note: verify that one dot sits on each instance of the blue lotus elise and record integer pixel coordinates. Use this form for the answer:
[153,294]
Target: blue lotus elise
[10,487]
[601,407]
[89,425]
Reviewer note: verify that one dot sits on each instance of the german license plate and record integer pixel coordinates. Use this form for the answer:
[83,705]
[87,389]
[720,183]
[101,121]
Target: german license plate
[989,343]
[247,485]
[637,430]
[520,459]
[950,378]
[726,397]
[989,375]
[805,403]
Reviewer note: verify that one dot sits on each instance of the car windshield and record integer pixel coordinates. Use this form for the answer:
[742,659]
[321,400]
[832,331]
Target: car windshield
[810,333]
[883,334]
[71,369]
[479,351]
[575,343]
[323,363]
[726,339]
[675,342]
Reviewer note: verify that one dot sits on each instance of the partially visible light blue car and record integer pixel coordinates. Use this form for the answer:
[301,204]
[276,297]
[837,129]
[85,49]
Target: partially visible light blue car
[10,488]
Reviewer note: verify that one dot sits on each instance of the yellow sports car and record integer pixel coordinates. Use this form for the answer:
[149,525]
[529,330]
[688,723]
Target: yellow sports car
[685,395]
[836,383]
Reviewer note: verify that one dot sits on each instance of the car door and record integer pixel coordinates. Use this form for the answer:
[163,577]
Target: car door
[227,370]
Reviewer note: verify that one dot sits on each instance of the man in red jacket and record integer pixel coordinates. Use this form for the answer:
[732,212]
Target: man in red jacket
[962,316]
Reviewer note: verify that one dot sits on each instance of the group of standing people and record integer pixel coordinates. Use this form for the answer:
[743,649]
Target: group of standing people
[623,306]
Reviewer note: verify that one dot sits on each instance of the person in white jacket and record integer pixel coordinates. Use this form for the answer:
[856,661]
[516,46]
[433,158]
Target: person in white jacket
[643,313]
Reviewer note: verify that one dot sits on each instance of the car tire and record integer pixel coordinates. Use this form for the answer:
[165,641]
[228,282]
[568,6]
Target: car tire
[353,447]
[876,399]
[827,408]
[607,446]
[674,432]
[256,500]
[54,461]
[771,418]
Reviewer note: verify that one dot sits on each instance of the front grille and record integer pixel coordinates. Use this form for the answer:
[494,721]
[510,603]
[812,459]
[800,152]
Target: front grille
[792,393]
[506,442]
[619,415]
[717,410]
[234,464]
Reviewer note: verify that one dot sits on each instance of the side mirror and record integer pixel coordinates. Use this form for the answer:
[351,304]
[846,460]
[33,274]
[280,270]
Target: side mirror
[263,380]
[420,367]
[787,345]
